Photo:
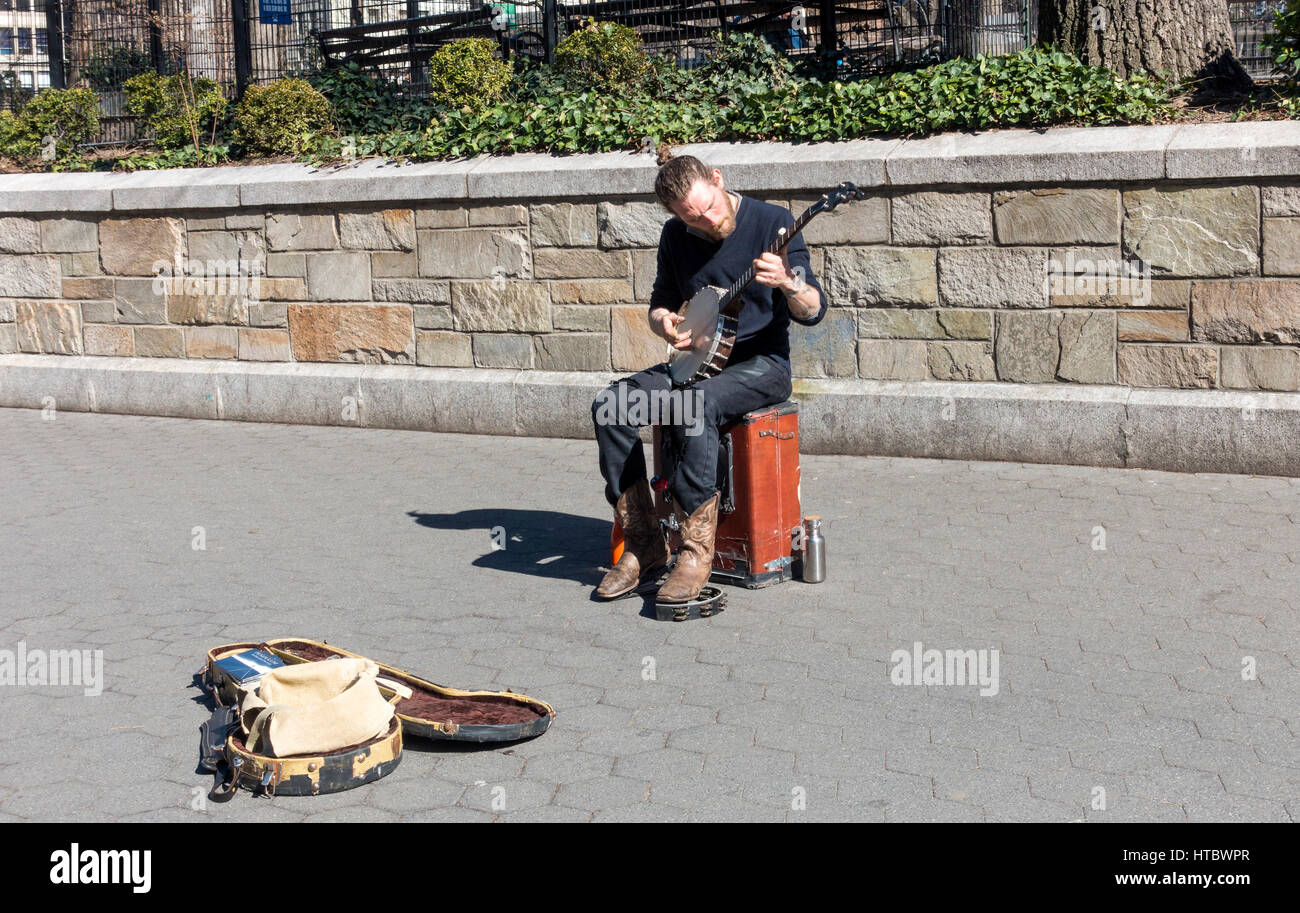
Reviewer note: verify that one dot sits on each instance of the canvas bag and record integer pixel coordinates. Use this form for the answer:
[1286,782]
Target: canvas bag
[313,708]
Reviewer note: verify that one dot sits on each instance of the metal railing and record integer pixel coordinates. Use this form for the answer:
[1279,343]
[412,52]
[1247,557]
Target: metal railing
[247,42]
[1251,21]
[237,43]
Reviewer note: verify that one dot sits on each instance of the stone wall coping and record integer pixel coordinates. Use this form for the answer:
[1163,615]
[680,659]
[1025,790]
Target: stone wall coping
[995,158]
[1089,425]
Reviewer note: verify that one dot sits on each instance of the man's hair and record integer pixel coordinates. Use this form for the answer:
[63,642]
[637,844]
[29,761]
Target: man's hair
[676,178]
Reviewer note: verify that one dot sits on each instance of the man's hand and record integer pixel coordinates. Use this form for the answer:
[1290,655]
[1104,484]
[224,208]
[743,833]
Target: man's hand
[664,324]
[774,271]
[801,298]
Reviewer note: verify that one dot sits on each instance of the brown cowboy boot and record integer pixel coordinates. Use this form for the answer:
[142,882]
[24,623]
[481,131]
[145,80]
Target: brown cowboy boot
[644,550]
[695,558]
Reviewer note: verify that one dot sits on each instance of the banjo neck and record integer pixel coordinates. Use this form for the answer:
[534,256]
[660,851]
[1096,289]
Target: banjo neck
[737,288]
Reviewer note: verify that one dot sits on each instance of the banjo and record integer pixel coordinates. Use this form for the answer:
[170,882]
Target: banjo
[712,315]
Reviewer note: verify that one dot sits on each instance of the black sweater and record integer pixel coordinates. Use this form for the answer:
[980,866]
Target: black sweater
[689,261]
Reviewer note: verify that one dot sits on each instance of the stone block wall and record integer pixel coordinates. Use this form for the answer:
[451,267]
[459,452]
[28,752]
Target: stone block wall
[1177,284]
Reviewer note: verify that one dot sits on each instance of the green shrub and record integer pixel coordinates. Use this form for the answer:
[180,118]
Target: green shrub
[1037,86]
[1284,42]
[182,157]
[467,72]
[71,116]
[603,55]
[1034,87]
[110,65]
[12,95]
[176,108]
[365,104]
[748,57]
[9,135]
[280,119]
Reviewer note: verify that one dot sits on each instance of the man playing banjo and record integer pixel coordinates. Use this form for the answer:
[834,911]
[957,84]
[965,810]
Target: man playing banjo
[714,237]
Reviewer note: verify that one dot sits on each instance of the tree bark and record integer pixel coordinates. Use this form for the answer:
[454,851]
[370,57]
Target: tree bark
[1192,39]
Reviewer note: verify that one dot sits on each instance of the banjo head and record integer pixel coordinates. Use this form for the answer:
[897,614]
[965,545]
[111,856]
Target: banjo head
[701,321]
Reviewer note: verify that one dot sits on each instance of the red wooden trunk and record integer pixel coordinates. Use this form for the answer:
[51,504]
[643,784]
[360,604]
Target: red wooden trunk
[760,521]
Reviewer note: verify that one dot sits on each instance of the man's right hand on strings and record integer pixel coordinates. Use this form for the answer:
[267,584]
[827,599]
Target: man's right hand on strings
[664,323]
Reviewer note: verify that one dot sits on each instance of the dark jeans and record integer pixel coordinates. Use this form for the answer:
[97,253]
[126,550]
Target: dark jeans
[690,417]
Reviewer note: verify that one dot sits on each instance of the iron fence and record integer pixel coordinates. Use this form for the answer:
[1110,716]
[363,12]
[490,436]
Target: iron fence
[100,44]
[1251,21]
[901,34]
[106,42]
[247,42]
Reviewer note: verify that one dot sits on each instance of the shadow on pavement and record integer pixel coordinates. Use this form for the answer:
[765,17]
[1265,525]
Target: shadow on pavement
[540,543]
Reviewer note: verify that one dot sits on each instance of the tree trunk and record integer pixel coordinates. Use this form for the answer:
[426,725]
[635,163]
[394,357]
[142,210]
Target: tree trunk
[1188,38]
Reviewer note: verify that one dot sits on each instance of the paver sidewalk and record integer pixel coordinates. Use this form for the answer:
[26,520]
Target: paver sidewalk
[1120,693]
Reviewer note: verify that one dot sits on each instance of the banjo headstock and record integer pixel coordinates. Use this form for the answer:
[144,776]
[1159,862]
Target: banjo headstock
[843,193]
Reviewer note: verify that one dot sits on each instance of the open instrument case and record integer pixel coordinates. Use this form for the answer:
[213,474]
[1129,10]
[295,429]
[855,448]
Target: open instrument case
[432,711]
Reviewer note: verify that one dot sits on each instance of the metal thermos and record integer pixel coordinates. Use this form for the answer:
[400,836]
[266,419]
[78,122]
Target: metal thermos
[814,551]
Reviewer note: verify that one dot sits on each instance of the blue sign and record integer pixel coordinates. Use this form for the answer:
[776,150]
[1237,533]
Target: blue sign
[275,12]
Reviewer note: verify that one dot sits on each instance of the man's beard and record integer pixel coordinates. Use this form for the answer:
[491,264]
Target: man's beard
[723,231]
